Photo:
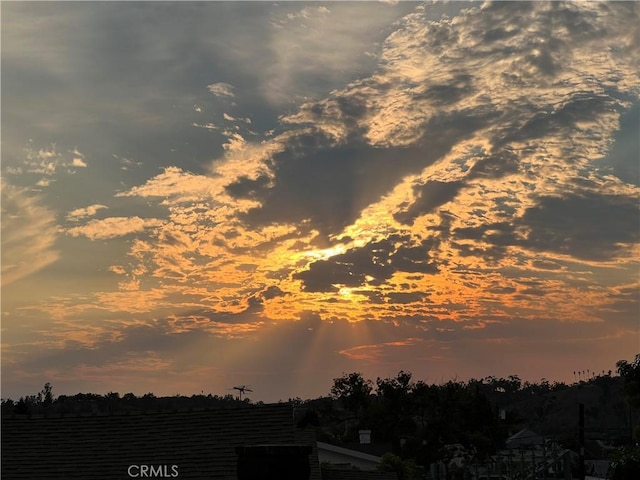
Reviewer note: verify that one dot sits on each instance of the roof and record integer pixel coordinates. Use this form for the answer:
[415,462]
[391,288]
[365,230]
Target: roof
[376,448]
[348,452]
[524,437]
[200,443]
[340,474]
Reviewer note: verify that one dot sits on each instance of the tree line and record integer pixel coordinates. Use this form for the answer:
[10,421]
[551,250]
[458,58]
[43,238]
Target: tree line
[44,403]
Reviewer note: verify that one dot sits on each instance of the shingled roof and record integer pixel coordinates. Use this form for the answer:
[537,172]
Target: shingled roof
[200,443]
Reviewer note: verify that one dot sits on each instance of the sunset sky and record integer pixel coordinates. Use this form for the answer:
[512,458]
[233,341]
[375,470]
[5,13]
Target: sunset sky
[201,195]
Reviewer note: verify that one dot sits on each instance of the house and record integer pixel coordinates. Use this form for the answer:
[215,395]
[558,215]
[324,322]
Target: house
[526,453]
[199,445]
[345,457]
[525,438]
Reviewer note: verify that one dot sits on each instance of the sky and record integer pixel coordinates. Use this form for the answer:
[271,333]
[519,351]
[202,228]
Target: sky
[197,196]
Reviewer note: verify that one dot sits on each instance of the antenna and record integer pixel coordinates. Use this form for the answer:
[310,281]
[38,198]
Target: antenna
[242,389]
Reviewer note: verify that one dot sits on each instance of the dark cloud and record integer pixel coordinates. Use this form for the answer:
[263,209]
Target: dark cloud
[372,264]
[498,33]
[493,238]
[429,196]
[246,187]
[491,254]
[590,226]
[329,184]
[498,164]
[546,265]
[326,184]
[256,300]
[456,89]
[500,290]
[272,292]
[579,107]
[407,297]
[623,156]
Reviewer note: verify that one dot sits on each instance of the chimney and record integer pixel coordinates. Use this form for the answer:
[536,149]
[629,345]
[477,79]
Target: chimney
[273,462]
[365,437]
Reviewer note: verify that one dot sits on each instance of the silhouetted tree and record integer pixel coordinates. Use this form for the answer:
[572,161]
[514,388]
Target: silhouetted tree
[630,372]
[47,395]
[353,391]
[8,406]
[423,400]
[23,406]
[395,405]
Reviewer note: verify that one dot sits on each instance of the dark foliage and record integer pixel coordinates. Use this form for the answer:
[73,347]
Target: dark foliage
[626,464]
[110,403]
[630,372]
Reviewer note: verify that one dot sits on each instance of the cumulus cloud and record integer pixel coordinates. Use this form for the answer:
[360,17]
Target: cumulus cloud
[44,182]
[113,227]
[174,183]
[78,162]
[81,213]
[46,163]
[221,89]
[235,141]
[207,126]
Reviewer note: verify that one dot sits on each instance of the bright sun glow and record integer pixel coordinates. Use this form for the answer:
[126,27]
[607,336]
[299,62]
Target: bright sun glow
[345,291]
[325,253]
